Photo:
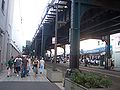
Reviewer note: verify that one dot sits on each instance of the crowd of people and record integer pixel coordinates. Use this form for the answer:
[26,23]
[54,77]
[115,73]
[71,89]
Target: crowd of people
[96,60]
[21,66]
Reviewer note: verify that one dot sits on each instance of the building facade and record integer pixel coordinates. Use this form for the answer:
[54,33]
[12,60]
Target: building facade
[4,32]
[7,45]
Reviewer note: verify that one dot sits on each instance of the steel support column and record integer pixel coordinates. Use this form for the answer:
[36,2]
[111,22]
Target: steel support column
[50,54]
[56,27]
[42,42]
[107,50]
[64,51]
[75,34]
[35,52]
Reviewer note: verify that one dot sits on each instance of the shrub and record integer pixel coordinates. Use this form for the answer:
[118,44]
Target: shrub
[90,80]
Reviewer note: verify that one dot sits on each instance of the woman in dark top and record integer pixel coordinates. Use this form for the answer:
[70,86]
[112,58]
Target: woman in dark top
[35,67]
[10,65]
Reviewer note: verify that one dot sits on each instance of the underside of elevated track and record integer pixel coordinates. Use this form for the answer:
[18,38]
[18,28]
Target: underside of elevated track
[83,19]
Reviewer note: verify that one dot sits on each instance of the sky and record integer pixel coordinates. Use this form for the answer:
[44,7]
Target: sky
[31,13]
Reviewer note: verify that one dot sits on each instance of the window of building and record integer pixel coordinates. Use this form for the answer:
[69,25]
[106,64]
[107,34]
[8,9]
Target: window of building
[3,5]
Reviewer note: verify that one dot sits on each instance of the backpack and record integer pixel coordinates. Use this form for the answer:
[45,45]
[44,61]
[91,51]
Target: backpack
[10,63]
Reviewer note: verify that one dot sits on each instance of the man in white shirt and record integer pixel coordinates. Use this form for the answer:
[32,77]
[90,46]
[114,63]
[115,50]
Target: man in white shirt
[18,62]
[42,64]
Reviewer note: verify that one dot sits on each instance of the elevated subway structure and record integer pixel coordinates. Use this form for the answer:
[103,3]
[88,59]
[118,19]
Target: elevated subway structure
[77,20]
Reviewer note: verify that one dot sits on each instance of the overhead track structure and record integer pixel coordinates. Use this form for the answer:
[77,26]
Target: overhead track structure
[98,18]
[51,11]
[48,20]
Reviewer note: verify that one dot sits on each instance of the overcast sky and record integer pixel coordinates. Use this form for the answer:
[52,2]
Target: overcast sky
[31,13]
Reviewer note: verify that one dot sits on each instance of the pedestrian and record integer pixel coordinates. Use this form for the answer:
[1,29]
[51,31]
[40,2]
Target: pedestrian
[14,65]
[18,62]
[86,61]
[10,65]
[35,67]
[41,64]
[28,66]
[112,64]
[24,67]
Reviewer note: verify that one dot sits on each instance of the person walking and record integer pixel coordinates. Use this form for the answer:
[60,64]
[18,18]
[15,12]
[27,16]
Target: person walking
[42,64]
[10,65]
[112,63]
[14,65]
[28,66]
[24,67]
[35,67]
[18,62]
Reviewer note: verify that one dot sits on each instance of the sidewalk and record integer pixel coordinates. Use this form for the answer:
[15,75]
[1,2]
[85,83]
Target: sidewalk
[28,83]
[13,77]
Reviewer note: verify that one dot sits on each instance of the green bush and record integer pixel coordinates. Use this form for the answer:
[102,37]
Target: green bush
[90,80]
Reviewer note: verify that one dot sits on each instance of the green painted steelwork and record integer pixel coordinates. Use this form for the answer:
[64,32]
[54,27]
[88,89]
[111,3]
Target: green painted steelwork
[75,34]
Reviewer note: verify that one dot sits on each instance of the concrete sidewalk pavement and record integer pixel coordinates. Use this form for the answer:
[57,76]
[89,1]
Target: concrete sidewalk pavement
[27,83]
[13,77]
